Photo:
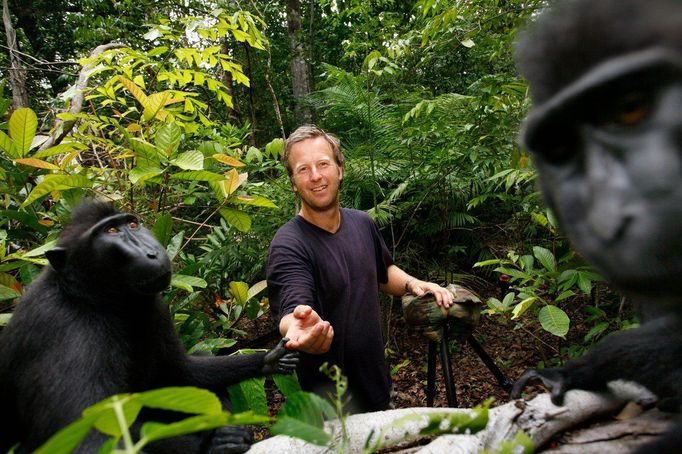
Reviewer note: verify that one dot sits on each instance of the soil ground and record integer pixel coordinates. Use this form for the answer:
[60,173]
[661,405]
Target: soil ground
[513,347]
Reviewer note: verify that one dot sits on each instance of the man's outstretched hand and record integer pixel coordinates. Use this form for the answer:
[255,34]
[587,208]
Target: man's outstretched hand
[306,331]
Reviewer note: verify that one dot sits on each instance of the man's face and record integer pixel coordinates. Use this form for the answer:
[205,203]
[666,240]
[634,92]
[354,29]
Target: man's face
[316,175]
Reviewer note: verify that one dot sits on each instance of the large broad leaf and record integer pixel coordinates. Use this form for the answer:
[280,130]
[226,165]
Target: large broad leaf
[7,293]
[545,257]
[67,439]
[302,416]
[105,415]
[7,145]
[256,288]
[168,138]
[187,283]
[155,103]
[254,200]
[229,160]
[249,395]
[155,431]
[237,219]
[22,128]
[288,384]
[147,154]
[292,427]
[191,160]
[135,90]
[184,399]
[57,183]
[239,291]
[163,229]
[38,163]
[197,175]
[141,174]
[62,148]
[554,320]
[523,306]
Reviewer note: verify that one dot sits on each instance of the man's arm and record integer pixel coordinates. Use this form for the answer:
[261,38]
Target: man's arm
[400,283]
[306,331]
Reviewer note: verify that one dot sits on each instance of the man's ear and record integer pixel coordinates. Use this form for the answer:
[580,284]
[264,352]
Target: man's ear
[57,257]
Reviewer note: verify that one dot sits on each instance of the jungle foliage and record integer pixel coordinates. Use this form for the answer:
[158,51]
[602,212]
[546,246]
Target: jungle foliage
[180,117]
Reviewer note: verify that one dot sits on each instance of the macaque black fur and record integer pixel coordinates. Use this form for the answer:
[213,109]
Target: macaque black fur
[605,133]
[93,325]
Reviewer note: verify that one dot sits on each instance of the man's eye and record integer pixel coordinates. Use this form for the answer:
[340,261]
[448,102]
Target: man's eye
[113,230]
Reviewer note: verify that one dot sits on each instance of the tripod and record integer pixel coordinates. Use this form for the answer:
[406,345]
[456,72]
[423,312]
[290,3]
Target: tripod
[502,379]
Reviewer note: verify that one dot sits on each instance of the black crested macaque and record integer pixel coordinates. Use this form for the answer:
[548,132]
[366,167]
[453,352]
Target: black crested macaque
[93,325]
[605,133]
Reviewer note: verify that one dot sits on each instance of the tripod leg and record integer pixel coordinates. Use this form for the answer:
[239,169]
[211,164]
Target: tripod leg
[502,379]
[431,374]
[447,370]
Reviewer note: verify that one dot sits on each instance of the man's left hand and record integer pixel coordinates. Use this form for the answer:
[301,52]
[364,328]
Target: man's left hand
[442,295]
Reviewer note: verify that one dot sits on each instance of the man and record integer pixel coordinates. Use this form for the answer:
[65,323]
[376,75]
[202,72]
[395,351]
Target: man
[324,269]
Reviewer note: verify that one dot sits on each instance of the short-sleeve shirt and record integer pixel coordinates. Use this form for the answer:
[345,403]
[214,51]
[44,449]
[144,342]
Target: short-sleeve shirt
[338,275]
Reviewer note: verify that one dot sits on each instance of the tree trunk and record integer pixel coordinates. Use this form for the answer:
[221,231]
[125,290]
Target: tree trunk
[300,76]
[17,74]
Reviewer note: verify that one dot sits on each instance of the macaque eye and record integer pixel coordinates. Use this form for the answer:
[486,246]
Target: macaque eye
[113,230]
[633,110]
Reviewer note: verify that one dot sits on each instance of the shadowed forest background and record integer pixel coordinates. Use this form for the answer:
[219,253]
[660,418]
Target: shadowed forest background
[177,110]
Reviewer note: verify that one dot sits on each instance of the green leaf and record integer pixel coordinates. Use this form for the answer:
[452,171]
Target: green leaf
[212,345]
[198,175]
[7,293]
[288,384]
[67,439]
[22,129]
[309,408]
[147,154]
[163,229]
[564,295]
[185,399]
[468,43]
[62,148]
[240,292]
[584,283]
[237,219]
[275,148]
[168,138]
[7,145]
[255,201]
[190,160]
[256,288]
[545,257]
[156,431]
[139,175]
[105,417]
[40,250]
[4,319]
[292,427]
[596,330]
[56,183]
[523,306]
[249,395]
[554,320]
[187,283]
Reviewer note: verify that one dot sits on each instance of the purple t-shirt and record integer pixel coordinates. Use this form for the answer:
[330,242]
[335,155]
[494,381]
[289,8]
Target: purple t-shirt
[338,275]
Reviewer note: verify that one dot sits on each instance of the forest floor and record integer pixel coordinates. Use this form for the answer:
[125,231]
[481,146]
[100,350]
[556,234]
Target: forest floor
[513,347]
